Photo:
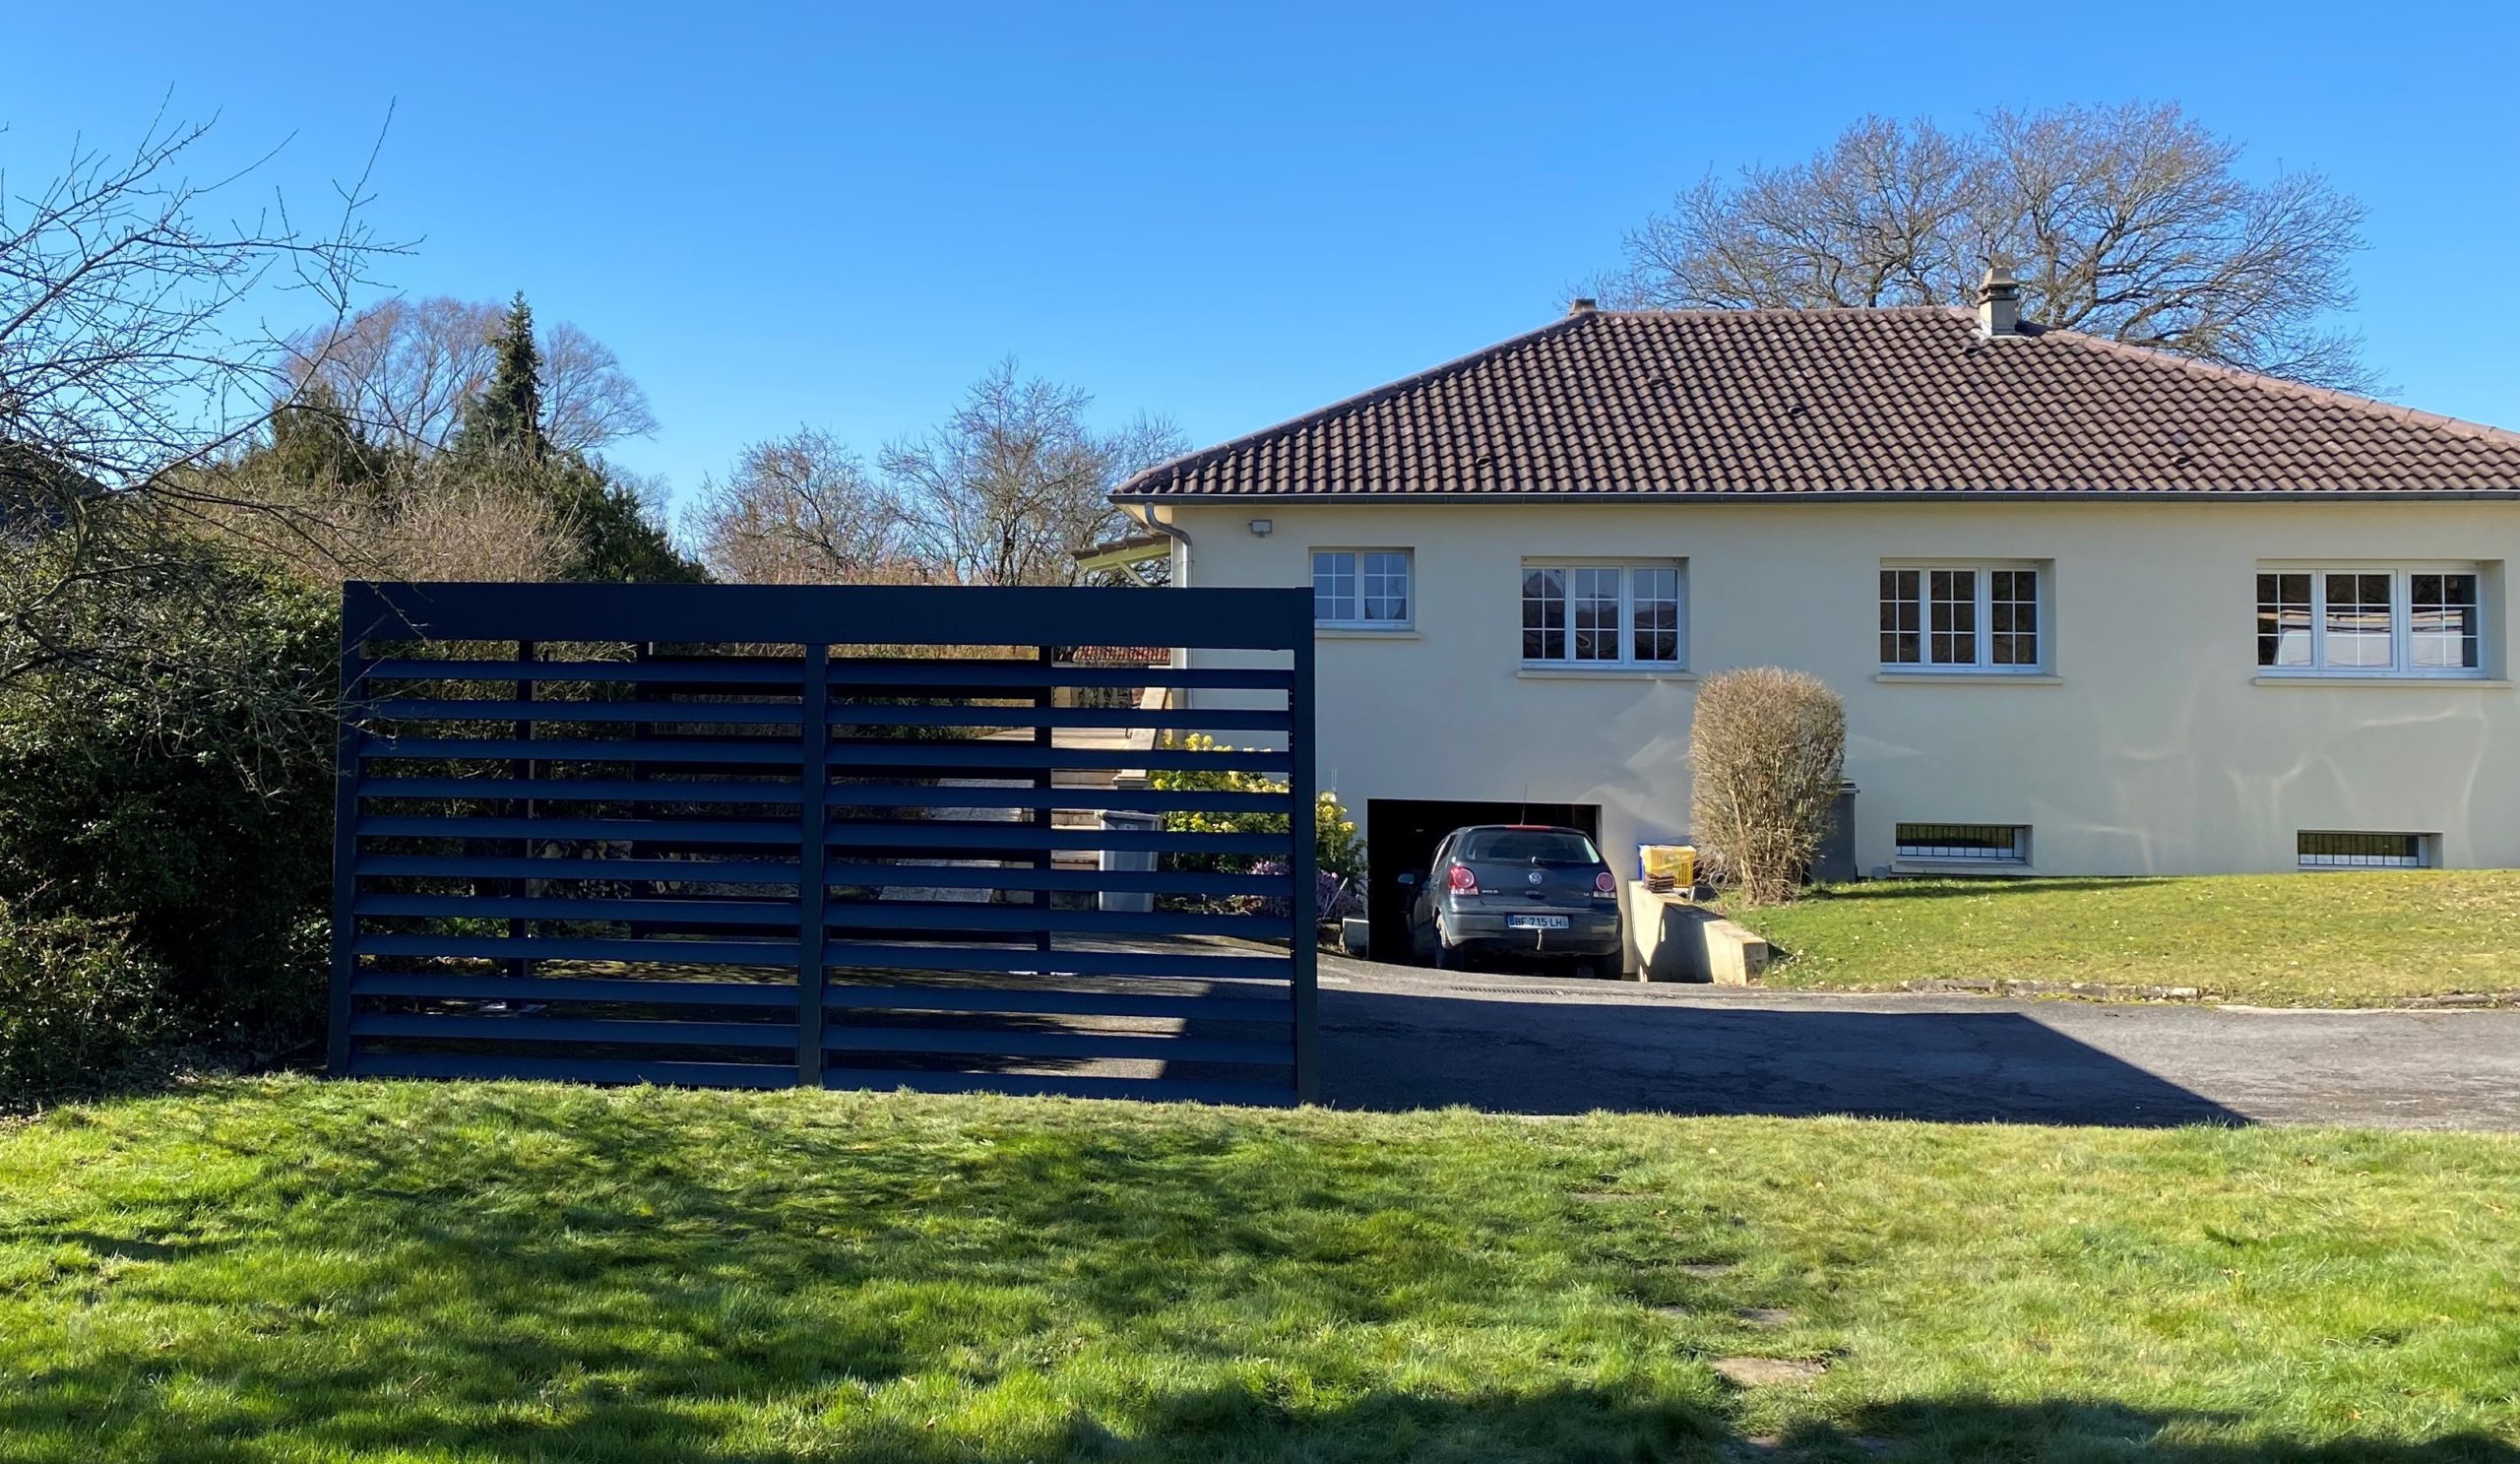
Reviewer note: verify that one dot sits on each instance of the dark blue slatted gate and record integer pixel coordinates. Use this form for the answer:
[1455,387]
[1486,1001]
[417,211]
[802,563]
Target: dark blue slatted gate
[770,835]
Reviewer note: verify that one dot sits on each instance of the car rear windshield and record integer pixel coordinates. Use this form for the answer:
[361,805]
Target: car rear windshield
[1530,847]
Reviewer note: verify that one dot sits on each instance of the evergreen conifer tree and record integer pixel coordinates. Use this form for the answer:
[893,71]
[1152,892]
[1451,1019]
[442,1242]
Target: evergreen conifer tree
[507,418]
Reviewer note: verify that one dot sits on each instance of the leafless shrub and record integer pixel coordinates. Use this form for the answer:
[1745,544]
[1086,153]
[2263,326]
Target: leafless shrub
[1767,751]
[421,523]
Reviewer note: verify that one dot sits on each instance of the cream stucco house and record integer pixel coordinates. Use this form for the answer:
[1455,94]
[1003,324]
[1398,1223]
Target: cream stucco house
[2093,609]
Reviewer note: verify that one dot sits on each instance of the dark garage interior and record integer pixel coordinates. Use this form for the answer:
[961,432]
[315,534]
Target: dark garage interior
[1402,835]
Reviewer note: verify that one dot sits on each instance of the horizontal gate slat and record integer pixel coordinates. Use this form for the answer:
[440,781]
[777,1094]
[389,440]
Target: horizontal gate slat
[1222,719]
[773,994]
[859,914]
[493,866]
[728,671]
[1045,1085]
[582,749]
[661,911]
[1006,877]
[860,673]
[1027,961]
[1057,1003]
[585,790]
[977,755]
[608,830]
[723,713]
[435,1026]
[971,1041]
[1003,836]
[983,796]
[364,1064]
[579,949]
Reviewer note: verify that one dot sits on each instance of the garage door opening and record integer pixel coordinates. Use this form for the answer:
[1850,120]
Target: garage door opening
[1402,836]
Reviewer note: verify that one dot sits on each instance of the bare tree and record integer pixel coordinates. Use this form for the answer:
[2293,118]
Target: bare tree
[131,356]
[403,369]
[800,509]
[1016,481]
[2131,223]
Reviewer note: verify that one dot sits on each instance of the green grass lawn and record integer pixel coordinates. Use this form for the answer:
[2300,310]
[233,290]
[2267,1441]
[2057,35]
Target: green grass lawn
[289,1271]
[2284,939]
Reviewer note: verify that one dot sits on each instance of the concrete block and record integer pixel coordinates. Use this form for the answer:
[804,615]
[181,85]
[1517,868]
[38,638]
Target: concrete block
[1671,939]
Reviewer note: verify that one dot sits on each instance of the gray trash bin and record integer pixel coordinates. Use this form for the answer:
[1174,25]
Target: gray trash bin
[1835,863]
[1129,860]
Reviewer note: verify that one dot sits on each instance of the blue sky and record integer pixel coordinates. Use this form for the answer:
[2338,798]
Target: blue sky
[840,216]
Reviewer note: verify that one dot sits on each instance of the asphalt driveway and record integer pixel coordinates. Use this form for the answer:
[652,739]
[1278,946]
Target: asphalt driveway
[1401,1038]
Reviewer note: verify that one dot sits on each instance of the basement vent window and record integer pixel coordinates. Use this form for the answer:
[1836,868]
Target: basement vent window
[2342,851]
[1972,843]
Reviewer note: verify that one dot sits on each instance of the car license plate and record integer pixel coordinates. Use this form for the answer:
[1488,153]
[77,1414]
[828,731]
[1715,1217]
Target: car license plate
[1535,923]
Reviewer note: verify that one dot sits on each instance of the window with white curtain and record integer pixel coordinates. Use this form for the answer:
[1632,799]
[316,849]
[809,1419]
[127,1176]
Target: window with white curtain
[2368,619]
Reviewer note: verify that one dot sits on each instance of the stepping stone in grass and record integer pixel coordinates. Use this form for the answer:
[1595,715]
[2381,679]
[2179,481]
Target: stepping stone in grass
[1765,1316]
[1760,1372]
[1706,1268]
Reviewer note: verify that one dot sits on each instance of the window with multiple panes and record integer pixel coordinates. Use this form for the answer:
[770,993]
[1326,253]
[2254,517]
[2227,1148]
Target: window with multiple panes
[1363,589]
[1983,843]
[2370,621]
[2348,850]
[1603,614]
[1969,617]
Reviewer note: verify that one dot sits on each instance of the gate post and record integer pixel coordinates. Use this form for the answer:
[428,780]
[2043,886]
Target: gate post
[345,779]
[813,775]
[1304,905]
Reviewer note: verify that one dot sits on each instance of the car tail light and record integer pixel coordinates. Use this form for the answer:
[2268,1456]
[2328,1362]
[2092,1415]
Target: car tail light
[1604,884]
[1461,881]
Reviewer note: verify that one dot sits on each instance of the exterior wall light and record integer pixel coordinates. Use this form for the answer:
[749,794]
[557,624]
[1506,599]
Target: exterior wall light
[1261,527]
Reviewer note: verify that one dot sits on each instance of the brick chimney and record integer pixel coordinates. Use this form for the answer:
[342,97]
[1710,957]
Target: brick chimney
[1998,303]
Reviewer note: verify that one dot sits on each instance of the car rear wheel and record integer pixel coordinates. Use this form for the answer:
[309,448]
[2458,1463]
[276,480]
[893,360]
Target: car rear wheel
[1446,958]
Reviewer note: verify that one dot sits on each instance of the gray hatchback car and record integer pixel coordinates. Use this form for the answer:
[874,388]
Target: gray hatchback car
[1516,890]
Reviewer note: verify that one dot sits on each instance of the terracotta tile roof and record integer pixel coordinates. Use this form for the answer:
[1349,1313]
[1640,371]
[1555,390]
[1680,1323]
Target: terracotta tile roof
[1778,402]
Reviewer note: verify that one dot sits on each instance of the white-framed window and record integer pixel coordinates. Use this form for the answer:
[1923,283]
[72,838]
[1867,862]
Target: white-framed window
[2371,620]
[1972,843]
[1605,613]
[1361,588]
[2333,849]
[1963,617]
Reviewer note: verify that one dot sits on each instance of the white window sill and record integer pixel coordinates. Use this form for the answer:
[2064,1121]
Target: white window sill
[1605,674]
[1366,633]
[2486,683]
[1969,679]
